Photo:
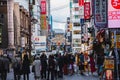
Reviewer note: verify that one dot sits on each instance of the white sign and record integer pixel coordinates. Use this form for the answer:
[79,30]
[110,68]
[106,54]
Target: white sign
[114,13]
[81,9]
[40,43]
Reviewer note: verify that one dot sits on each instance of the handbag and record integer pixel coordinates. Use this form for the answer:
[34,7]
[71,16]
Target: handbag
[33,68]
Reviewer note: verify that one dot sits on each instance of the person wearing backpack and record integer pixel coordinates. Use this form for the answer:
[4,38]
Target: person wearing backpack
[17,67]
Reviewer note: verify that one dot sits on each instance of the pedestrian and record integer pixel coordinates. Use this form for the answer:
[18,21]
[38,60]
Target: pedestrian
[81,64]
[92,64]
[26,67]
[43,59]
[37,67]
[5,67]
[17,67]
[51,67]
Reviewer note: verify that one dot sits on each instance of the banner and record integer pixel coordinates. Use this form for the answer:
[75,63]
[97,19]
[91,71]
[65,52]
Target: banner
[100,13]
[81,2]
[43,22]
[43,6]
[87,10]
[113,13]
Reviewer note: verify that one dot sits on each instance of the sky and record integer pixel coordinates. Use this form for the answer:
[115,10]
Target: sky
[59,11]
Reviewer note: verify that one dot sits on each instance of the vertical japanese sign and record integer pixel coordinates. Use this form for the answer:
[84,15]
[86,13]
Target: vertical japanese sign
[81,8]
[43,6]
[43,14]
[81,2]
[43,22]
[114,13]
[87,10]
[100,13]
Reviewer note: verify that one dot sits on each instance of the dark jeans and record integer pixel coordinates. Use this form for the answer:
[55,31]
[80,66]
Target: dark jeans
[16,77]
[51,72]
[43,74]
[26,75]
[4,75]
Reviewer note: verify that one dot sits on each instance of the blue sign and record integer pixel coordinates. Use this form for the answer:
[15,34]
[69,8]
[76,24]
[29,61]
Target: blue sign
[82,21]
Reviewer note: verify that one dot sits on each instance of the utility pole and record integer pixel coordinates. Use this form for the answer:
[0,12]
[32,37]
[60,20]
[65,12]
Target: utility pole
[30,15]
[49,25]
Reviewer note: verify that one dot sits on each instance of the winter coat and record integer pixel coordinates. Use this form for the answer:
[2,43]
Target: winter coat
[6,64]
[26,65]
[37,64]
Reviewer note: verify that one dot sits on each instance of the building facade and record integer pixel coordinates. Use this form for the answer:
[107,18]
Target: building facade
[14,32]
[76,27]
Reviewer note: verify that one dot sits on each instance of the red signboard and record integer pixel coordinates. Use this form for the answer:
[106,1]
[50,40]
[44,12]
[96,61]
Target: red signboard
[43,6]
[87,10]
[115,4]
[81,2]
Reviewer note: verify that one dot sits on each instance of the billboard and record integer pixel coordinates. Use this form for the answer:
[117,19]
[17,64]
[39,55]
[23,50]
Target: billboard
[43,6]
[43,22]
[100,13]
[40,42]
[87,10]
[113,13]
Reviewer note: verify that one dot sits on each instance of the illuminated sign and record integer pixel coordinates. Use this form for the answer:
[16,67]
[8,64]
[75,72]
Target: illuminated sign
[43,7]
[114,13]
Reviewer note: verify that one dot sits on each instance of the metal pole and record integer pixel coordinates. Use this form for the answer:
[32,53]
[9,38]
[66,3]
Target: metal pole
[116,54]
[30,15]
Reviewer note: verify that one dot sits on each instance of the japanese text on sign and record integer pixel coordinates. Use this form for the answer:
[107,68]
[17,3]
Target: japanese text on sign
[100,12]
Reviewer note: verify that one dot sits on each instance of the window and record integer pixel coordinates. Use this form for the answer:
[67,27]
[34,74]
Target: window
[76,24]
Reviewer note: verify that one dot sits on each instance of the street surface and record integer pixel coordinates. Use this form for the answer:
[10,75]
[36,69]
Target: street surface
[66,77]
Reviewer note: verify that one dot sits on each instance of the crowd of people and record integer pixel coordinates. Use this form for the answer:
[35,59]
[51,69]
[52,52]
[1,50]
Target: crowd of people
[47,68]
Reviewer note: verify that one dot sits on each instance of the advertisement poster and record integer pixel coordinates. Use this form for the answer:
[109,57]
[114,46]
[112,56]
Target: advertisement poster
[100,13]
[43,22]
[113,13]
[109,75]
[118,41]
[109,63]
[43,6]
[87,10]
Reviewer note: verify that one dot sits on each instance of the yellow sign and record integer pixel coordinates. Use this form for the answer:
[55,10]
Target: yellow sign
[109,63]
[43,22]
[70,26]
[118,41]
